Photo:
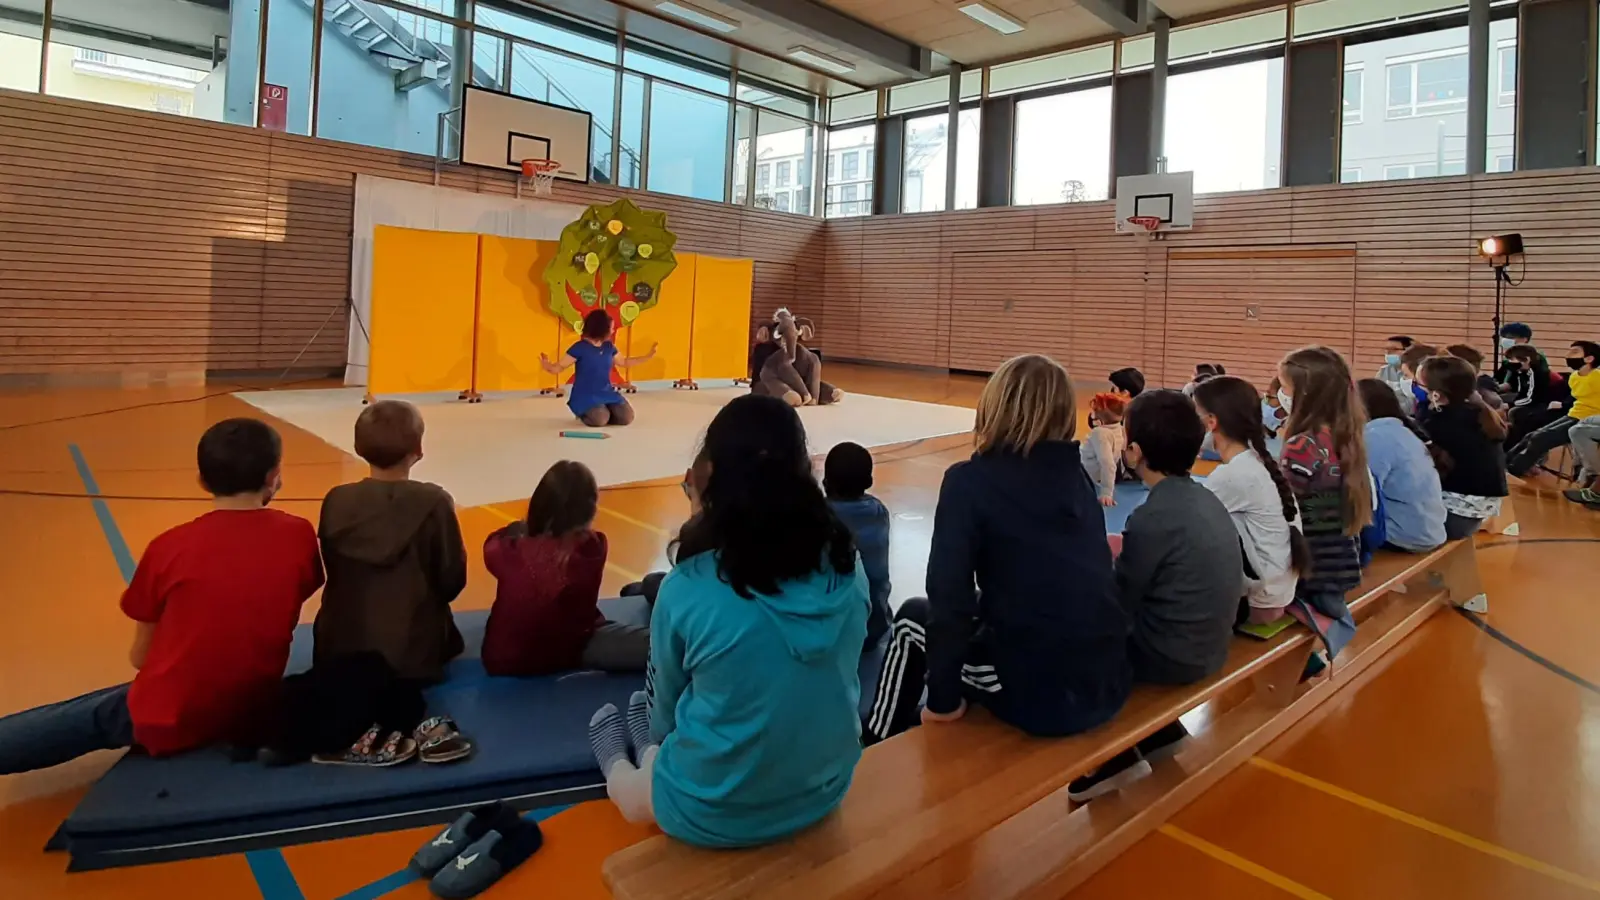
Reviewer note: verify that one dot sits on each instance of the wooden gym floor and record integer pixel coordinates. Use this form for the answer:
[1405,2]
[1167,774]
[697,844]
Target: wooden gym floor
[1467,766]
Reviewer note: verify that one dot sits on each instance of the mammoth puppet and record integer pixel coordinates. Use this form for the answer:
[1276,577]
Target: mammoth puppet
[781,366]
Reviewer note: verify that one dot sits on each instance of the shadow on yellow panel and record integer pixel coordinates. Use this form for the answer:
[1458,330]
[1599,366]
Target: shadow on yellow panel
[722,317]
[515,323]
[668,325]
[422,299]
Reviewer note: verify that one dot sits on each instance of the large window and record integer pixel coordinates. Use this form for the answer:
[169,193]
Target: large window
[1063,148]
[1225,126]
[21,30]
[630,171]
[850,155]
[785,145]
[927,151]
[688,143]
[161,56]
[393,99]
[1420,130]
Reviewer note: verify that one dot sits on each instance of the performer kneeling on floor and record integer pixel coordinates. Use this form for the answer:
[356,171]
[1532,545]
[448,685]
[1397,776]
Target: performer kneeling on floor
[593,398]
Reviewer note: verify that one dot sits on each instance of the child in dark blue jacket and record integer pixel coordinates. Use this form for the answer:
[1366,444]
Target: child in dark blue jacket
[1022,613]
[846,477]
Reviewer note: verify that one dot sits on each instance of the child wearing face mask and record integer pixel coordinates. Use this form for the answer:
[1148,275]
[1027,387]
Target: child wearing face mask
[1393,375]
[1466,436]
[1583,382]
[1414,400]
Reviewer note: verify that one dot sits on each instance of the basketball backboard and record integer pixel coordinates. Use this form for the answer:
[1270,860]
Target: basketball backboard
[499,131]
[1168,197]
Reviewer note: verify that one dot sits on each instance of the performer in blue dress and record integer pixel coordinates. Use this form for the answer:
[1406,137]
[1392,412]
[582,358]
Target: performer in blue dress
[591,396]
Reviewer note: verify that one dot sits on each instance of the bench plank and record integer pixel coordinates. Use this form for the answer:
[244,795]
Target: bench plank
[933,811]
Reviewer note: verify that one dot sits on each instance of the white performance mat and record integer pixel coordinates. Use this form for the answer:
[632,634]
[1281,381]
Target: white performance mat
[498,450]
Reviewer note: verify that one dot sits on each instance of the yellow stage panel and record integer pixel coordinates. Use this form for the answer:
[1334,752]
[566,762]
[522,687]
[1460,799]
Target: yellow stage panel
[721,317]
[515,323]
[422,299]
[668,324]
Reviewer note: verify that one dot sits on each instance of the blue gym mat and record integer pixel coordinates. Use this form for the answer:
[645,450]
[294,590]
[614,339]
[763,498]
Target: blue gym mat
[532,749]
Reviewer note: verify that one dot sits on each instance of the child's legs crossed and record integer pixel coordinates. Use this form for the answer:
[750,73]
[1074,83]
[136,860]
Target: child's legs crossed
[50,735]
[618,648]
[628,786]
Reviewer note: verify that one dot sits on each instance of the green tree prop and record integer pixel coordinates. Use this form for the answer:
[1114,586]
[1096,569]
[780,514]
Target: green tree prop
[614,257]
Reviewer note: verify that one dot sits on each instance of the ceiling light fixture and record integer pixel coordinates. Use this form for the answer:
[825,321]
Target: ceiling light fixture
[991,17]
[705,18]
[820,60]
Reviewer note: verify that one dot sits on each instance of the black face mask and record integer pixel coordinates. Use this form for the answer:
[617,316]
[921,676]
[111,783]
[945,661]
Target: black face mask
[1575,362]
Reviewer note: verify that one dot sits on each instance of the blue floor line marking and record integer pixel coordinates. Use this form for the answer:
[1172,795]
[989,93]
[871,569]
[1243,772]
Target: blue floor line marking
[397,880]
[108,525]
[271,870]
[273,877]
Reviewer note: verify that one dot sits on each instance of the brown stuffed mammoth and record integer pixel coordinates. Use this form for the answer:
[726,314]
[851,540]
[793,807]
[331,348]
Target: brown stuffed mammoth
[781,366]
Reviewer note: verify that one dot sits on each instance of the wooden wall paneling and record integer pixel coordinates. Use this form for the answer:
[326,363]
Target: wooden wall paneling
[1004,303]
[1109,310]
[1246,312]
[841,289]
[900,289]
[988,231]
[1413,256]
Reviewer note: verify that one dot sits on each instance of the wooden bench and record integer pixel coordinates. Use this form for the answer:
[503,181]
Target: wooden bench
[979,810]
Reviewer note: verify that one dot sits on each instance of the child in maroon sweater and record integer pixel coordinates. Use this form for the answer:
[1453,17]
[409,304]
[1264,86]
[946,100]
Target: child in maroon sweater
[545,616]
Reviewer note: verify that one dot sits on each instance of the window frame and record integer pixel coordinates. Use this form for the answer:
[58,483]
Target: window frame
[1360,71]
[1503,96]
[1418,108]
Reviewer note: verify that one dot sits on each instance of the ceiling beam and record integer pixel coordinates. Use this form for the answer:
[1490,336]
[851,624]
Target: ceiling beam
[1127,16]
[839,31]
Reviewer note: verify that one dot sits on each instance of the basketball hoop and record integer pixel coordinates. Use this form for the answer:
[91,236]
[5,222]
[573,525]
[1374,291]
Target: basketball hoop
[1148,223]
[541,174]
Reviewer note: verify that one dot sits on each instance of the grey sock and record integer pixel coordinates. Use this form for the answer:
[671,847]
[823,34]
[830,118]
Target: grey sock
[608,737]
[639,723]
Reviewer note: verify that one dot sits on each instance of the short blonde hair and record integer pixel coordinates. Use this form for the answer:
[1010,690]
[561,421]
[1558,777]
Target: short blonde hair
[1029,399]
[387,432]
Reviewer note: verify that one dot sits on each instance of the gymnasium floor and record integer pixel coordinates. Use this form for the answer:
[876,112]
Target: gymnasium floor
[1466,766]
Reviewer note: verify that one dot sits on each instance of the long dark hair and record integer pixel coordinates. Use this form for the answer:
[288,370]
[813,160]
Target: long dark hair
[1237,407]
[1325,397]
[565,500]
[761,510]
[1457,382]
[1381,402]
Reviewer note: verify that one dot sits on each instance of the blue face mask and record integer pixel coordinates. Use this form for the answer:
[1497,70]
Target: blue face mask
[1392,359]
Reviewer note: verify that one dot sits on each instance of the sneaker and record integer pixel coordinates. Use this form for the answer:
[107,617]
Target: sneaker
[1124,769]
[1587,496]
[1164,744]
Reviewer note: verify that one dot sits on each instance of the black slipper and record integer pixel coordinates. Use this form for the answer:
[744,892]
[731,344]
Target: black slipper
[487,861]
[448,844]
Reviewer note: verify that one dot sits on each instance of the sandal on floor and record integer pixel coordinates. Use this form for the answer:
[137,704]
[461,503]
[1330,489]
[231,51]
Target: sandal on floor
[439,741]
[395,750]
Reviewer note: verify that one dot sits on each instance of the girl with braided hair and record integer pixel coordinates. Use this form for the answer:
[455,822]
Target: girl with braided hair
[1258,497]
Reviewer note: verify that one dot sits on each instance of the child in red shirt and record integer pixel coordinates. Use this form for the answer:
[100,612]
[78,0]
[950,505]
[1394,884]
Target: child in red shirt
[545,616]
[216,601]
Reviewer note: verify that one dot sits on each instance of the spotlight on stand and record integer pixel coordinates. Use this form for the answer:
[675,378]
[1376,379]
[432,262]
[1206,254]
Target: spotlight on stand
[1497,250]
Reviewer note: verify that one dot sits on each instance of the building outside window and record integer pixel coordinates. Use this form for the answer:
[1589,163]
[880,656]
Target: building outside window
[1355,83]
[851,193]
[1432,85]
[1350,176]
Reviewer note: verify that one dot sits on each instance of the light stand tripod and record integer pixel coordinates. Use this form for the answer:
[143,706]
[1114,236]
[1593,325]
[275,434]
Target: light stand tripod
[1502,280]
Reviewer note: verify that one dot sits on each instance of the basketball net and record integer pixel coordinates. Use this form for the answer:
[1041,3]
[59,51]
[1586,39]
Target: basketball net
[1149,224]
[541,175]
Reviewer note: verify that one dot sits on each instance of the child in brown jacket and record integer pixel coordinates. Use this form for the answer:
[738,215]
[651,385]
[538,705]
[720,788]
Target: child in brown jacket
[394,554]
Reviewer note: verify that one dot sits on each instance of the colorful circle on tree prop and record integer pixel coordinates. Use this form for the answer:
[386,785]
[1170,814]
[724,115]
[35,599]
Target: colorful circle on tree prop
[577,260]
[612,299]
[643,292]
[577,326]
[645,250]
[591,263]
[614,226]
[629,312]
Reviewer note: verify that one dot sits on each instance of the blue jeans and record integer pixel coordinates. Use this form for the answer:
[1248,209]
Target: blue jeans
[61,732]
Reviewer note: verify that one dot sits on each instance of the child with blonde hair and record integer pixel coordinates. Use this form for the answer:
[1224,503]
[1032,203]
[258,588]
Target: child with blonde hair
[1046,650]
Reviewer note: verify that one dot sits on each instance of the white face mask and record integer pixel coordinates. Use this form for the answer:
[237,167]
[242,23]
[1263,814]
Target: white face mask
[1507,343]
[1286,401]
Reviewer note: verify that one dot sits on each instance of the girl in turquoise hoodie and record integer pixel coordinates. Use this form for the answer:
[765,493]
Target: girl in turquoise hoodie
[749,729]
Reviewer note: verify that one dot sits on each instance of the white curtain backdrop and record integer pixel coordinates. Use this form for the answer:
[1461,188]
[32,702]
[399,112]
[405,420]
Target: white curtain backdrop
[384,201]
